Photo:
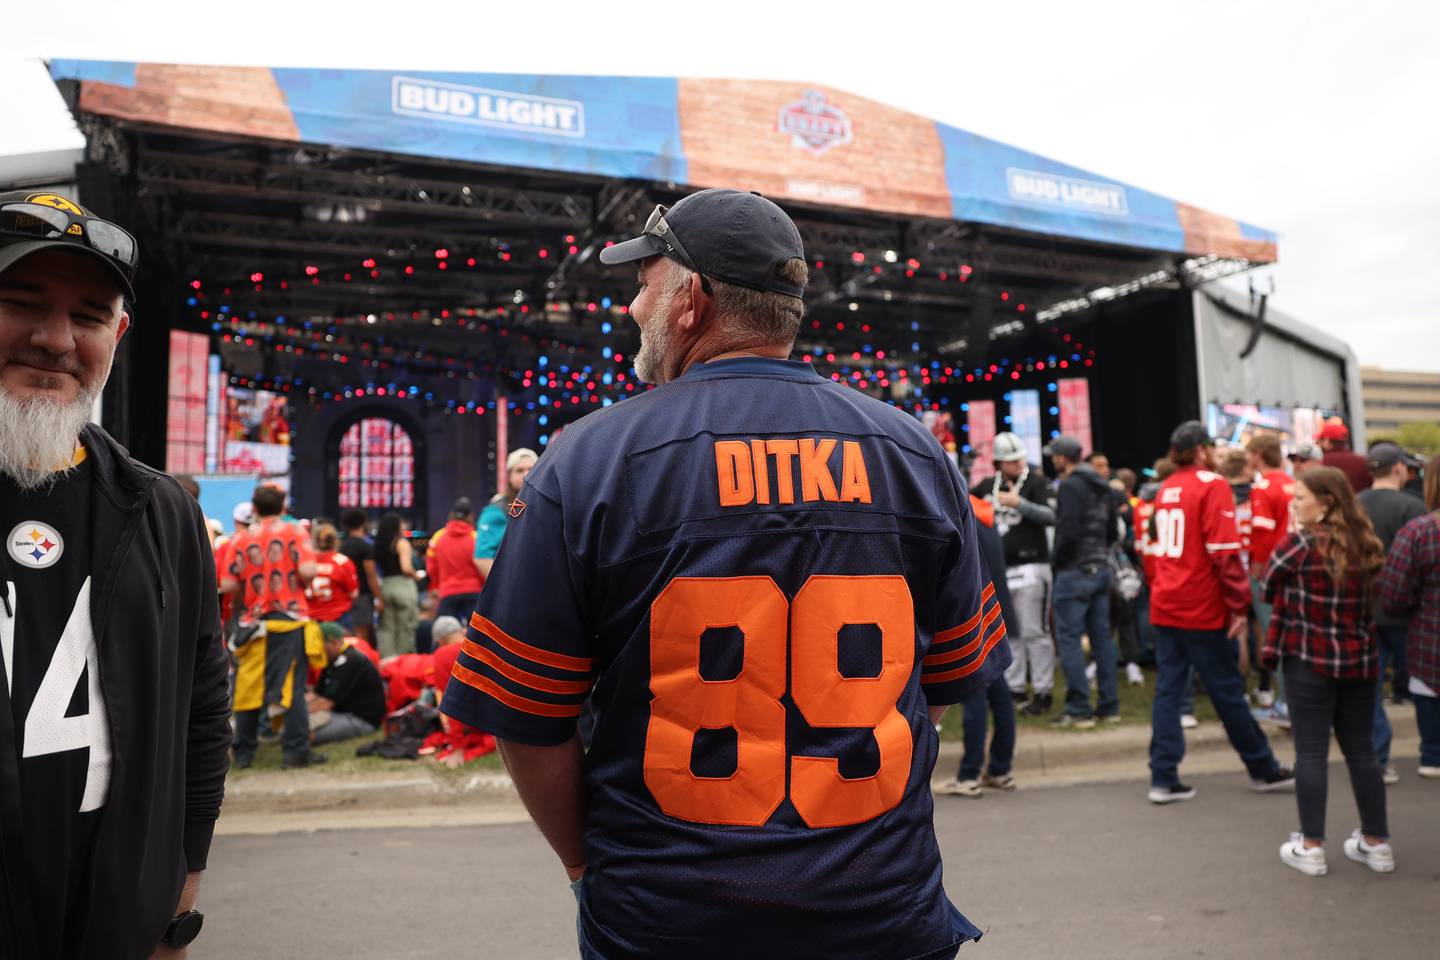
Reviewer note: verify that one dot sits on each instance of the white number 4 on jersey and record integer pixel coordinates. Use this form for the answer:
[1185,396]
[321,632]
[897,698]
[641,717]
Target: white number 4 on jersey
[47,729]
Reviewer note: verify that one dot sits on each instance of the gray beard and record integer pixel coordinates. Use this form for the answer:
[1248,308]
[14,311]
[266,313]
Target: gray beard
[654,352]
[39,435]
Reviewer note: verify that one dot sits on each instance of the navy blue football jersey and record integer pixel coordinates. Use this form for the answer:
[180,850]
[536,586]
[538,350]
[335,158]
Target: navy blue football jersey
[761,580]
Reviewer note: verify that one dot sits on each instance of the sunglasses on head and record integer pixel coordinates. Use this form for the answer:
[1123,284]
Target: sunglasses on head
[36,221]
[657,227]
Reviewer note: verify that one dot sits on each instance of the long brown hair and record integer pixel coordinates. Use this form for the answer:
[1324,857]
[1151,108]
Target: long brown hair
[1432,483]
[1351,543]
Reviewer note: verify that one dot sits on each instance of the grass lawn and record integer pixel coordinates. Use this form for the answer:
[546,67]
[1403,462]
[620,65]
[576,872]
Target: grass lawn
[343,761]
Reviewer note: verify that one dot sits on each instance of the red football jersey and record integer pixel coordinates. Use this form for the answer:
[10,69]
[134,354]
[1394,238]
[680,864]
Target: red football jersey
[333,590]
[1144,545]
[1271,516]
[1199,579]
[266,560]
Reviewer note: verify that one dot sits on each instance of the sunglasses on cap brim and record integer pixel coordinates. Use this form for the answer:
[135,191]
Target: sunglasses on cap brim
[657,227]
[36,221]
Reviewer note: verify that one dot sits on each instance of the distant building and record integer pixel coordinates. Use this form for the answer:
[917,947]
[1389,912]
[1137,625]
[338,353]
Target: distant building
[1394,398]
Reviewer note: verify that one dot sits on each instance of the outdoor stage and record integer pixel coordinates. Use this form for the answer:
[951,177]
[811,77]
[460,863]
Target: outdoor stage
[396,273]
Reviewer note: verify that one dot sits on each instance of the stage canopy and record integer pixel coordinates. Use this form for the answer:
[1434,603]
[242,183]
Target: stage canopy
[803,143]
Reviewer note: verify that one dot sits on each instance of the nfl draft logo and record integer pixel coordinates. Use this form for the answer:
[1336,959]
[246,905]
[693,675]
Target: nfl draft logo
[813,124]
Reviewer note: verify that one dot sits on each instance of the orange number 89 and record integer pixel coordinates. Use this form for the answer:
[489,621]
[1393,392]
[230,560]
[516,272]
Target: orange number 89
[684,702]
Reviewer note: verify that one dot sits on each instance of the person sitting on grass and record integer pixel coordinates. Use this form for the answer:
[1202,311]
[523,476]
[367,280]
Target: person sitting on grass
[349,699]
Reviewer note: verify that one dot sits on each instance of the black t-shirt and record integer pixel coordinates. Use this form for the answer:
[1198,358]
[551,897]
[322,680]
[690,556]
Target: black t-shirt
[358,549]
[51,667]
[1389,510]
[354,685]
[1025,540]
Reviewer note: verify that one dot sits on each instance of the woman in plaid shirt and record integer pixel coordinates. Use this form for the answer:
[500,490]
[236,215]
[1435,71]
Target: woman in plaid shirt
[1321,582]
[1410,587]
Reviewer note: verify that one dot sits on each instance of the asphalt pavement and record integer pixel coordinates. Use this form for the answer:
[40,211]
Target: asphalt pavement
[1079,872]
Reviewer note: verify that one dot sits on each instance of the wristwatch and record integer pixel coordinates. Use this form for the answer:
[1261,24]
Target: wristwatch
[183,929]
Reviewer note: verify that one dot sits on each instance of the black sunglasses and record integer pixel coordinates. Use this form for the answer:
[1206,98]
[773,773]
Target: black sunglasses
[37,221]
[657,227]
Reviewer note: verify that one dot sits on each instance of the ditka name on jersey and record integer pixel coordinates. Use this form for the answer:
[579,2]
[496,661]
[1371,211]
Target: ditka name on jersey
[749,471]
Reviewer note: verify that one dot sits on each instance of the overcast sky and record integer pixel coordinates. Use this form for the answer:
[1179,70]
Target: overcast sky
[1317,120]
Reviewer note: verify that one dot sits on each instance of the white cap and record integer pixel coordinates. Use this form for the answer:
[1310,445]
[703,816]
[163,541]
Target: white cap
[1007,448]
[519,456]
[244,513]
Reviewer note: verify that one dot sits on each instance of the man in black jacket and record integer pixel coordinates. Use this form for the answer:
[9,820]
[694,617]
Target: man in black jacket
[1085,528]
[1024,504]
[113,714]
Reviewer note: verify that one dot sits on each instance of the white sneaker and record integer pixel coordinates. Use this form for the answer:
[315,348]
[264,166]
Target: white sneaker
[1430,773]
[1391,776]
[958,788]
[1134,674]
[1380,858]
[1264,698]
[1188,721]
[1308,860]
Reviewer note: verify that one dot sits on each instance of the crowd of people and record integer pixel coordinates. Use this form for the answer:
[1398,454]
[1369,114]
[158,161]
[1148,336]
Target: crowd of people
[332,634]
[1322,581]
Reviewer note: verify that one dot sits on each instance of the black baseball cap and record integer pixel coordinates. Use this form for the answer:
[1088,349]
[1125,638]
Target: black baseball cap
[737,238]
[463,507]
[1067,447]
[1384,455]
[32,221]
[1189,435]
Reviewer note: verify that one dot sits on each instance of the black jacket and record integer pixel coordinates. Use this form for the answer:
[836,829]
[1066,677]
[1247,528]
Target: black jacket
[163,673]
[1085,520]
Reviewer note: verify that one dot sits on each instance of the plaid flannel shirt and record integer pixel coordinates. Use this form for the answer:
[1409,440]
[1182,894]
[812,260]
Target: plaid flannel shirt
[1409,586]
[1330,626]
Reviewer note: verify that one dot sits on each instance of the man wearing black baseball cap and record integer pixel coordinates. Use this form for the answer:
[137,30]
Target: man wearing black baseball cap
[1389,508]
[1199,605]
[735,571]
[113,732]
[722,274]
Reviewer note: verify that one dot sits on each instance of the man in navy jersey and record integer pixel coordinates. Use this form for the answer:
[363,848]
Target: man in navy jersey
[114,714]
[768,586]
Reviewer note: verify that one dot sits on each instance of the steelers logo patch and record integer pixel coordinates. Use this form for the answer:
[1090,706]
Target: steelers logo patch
[56,201]
[35,545]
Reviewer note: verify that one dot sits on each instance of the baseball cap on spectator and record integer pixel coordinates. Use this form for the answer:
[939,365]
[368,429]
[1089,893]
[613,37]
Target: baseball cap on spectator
[463,507]
[1384,456]
[1007,448]
[1189,435]
[243,513]
[1412,461]
[1334,431]
[444,627]
[728,235]
[1305,450]
[332,632]
[520,455]
[32,221]
[1067,447]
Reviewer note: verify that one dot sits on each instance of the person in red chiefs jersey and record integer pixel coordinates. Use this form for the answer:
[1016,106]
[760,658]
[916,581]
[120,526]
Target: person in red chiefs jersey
[336,582]
[1270,521]
[1198,604]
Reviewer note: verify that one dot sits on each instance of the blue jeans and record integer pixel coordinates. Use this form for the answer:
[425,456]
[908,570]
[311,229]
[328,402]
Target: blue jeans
[1144,629]
[295,736]
[1216,659]
[1392,653]
[993,699]
[459,606]
[1082,606]
[1427,718]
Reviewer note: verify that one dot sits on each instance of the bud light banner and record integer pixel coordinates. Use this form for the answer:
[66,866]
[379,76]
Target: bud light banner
[803,142]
